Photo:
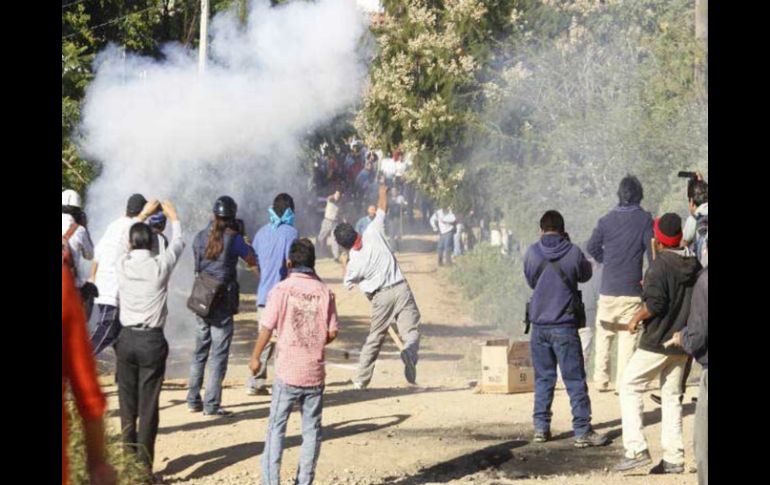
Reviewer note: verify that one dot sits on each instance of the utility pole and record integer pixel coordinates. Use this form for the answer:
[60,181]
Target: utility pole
[702,38]
[203,44]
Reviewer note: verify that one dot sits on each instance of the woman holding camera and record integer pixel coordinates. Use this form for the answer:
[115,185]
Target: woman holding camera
[216,251]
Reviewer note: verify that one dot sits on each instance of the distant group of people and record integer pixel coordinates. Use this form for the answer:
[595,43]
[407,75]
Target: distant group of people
[346,178]
[660,320]
[132,264]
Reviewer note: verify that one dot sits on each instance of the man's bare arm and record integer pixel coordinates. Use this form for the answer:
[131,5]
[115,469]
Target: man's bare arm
[94,267]
[382,200]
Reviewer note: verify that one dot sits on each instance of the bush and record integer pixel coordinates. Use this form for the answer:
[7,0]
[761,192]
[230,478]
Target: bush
[129,470]
[495,286]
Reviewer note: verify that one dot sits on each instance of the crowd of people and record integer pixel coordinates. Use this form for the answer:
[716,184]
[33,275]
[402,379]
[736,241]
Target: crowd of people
[345,180]
[659,318]
[132,264]
[126,295]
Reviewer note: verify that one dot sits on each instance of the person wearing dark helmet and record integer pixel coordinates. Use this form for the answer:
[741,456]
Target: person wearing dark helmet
[374,268]
[668,288]
[216,250]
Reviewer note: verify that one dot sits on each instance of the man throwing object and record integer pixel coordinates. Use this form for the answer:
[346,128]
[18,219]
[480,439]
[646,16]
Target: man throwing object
[374,268]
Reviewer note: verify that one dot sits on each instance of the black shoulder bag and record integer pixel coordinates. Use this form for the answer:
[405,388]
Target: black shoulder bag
[205,290]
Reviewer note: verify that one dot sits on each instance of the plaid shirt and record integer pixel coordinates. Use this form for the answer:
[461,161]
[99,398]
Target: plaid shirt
[302,310]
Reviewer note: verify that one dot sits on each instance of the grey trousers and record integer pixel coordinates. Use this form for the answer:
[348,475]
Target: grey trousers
[392,304]
[327,229]
[702,430]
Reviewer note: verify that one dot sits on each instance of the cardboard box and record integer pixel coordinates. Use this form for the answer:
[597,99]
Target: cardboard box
[506,368]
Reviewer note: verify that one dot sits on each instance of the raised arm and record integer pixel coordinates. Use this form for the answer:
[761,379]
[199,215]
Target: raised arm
[176,246]
[382,199]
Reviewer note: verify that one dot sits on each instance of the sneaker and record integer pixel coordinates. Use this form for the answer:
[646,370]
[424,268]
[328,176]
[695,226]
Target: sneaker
[541,436]
[194,409]
[592,438]
[410,369]
[603,386]
[640,459]
[694,400]
[666,467]
[693,469]
[258,391]
[358,385]
[218,413]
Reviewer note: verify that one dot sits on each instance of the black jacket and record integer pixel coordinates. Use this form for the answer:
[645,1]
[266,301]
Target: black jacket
[667,291]
[695,336]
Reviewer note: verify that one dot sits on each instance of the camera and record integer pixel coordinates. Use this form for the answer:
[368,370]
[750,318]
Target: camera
[688,175]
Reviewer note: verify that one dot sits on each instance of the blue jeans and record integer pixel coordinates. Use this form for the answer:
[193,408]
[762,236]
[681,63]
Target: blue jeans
[106,327]
[445,246]
[559,346]
[213,337]
[310,401]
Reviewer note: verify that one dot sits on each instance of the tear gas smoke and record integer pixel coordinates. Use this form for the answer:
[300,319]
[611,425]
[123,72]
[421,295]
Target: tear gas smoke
[160,128]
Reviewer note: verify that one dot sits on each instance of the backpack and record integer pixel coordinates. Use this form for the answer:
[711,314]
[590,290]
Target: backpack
[701,238]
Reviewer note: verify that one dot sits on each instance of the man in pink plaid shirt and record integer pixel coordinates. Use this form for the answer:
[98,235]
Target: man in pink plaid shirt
[301,309]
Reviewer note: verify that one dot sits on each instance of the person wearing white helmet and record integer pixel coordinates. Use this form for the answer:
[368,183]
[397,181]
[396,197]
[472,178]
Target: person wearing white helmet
[74,230]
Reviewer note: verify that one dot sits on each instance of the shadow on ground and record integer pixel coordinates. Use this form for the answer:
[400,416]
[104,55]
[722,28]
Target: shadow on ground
[260,408]
[216,460]
[498,461]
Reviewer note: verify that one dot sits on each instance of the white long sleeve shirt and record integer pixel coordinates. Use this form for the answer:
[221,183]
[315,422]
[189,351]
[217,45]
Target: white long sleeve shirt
[443,222]
[373,266]
[143,283]
[81,247]
[110,248]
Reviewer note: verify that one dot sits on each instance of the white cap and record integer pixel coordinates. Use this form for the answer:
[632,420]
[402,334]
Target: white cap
[70,197]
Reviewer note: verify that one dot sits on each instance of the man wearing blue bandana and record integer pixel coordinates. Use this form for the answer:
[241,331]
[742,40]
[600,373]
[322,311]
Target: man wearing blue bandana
[271,244]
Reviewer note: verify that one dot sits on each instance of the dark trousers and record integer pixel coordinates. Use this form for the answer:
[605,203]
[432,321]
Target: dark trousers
[141,365]
[106,327]
[559,346]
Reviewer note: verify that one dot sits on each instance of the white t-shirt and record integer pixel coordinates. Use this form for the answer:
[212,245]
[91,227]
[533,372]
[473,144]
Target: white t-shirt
[81,247]
[400,168]
[332,210]
[373,266]
[388,168]
[110,248]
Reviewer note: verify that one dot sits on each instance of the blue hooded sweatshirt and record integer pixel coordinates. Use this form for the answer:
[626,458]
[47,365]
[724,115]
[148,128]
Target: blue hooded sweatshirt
[551,297]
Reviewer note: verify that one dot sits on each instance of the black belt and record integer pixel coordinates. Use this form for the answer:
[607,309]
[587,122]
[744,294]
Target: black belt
[371,295]
[143,328]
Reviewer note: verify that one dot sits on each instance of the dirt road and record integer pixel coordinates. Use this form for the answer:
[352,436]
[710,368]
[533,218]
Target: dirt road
[437,432]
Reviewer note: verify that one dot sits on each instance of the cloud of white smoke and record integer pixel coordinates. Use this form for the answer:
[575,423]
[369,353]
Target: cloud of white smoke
[160,128]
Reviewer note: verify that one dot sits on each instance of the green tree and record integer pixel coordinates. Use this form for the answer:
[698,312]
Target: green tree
[424,92]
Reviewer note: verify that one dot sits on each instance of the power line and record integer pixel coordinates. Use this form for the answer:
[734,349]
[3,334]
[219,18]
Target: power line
[111,21]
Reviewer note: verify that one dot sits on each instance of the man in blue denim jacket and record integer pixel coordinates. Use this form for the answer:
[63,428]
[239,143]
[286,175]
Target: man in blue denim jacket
[555,339]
